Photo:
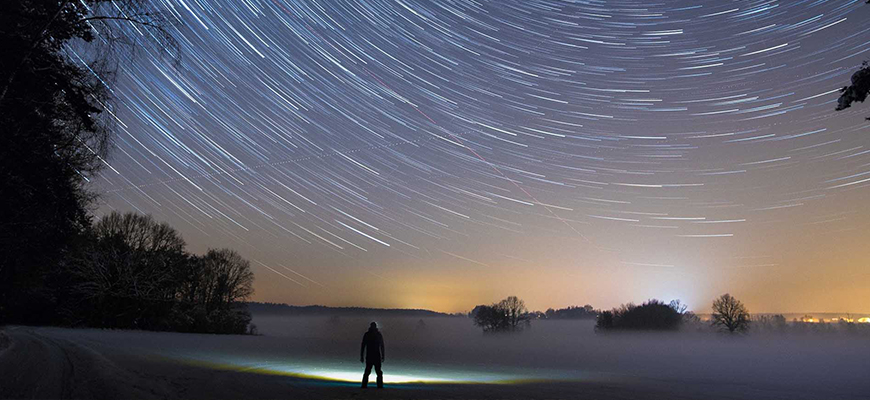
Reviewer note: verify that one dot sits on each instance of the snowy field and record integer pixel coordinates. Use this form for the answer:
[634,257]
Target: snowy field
[318,357]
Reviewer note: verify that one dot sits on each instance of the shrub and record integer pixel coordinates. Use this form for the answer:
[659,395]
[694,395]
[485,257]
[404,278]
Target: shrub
[651,315]
[572,312]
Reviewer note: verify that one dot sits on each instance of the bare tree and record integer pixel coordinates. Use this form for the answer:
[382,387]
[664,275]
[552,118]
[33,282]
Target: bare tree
[157,254]
[488,318]
[678,306]
[227,278]
[515,312]
[730,314]
[140,232]
[128,275]
[507,315]
[134,273]
[87,20]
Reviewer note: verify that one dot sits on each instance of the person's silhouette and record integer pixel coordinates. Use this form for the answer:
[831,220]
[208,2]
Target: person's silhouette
[372,354]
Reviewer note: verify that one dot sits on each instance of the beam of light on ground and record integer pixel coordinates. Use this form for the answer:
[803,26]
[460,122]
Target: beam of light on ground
[348,372]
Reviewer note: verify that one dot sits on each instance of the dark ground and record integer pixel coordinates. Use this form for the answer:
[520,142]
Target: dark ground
[95,364]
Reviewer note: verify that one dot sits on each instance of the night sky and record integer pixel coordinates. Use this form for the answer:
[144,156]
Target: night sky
[442,154]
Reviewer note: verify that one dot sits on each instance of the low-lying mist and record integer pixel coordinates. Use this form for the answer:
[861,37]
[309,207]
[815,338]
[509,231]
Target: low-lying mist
[570,349]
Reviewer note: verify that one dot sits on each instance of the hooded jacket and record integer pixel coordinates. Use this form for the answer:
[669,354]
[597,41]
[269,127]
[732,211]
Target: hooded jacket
[372,346]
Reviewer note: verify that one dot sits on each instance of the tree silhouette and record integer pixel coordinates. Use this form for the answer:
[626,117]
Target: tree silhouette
[508,315]
[572,312]
[489,318]
[226,280]
[770,323]
[858,90]
[730,314]
[651,315]
[53,137]
[515,312]
[128,276]
[134,273]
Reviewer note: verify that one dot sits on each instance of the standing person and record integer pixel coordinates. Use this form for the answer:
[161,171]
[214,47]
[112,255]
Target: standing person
[373,348]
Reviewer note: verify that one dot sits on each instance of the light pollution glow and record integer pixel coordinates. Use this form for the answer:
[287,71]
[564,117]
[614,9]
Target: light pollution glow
[445,154]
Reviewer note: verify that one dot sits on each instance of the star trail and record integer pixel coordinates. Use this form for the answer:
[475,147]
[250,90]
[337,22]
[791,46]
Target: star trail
[440,153]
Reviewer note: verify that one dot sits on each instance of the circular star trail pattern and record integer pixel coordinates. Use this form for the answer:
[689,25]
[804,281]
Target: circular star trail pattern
[422,130]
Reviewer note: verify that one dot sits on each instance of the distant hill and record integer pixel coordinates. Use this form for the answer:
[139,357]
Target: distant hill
[257,308]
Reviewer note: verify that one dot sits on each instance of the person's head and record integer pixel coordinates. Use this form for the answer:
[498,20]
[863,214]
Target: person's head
[373,325]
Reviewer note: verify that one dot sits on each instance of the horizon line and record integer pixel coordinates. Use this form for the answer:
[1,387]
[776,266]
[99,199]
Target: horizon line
[596,309]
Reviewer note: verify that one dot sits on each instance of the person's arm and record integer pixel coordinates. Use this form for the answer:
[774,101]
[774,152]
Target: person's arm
[381,343]
[362,349]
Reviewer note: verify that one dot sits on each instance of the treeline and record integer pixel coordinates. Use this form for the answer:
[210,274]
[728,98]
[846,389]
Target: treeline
[729,315]
[315,310]
[56,265]
[572,312]
[511,315]
[778,324]
[128,271]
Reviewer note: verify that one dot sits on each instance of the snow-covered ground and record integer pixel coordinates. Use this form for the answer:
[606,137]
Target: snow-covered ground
[318,357]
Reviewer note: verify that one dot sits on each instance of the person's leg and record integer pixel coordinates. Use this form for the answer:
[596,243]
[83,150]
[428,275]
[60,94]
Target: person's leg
[365,381]
[380,375]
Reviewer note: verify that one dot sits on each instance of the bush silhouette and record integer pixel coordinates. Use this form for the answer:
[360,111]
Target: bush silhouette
[572,312]
[651,315]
